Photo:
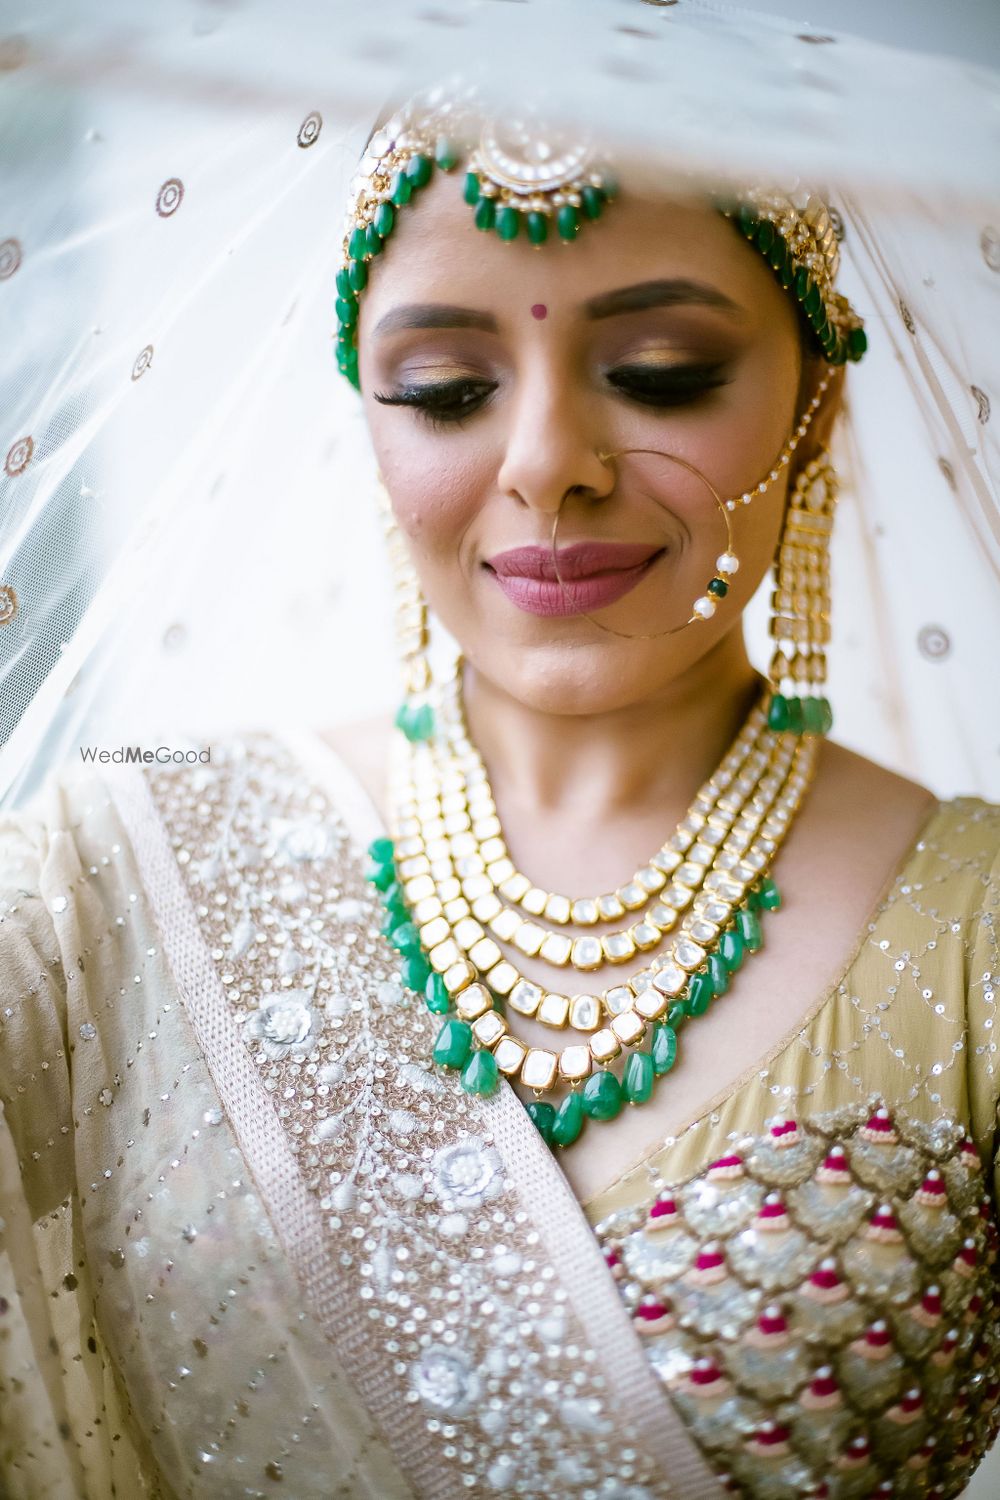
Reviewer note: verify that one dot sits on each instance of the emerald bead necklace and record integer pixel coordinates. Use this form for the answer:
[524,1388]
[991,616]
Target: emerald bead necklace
[443,873]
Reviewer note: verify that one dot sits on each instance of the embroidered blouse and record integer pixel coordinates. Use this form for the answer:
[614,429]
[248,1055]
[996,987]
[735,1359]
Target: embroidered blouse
[253,1242]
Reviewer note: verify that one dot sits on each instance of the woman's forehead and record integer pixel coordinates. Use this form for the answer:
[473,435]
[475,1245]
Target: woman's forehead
[436,252]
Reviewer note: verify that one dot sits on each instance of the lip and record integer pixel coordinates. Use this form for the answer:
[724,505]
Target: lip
[595,573]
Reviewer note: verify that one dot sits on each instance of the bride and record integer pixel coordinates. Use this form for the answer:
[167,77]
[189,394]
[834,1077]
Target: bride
[580,1081]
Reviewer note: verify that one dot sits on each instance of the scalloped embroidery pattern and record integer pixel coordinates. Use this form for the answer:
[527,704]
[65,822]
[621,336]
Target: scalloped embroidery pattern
[822,1305]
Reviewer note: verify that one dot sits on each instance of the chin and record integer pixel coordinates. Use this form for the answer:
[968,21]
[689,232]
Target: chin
[586,679]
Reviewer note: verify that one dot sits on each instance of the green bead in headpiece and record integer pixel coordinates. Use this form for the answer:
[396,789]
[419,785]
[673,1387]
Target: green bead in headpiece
[520,179]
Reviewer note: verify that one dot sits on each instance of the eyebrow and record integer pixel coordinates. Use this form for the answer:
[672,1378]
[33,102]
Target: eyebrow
[627,299]
[434,315]
[658,294]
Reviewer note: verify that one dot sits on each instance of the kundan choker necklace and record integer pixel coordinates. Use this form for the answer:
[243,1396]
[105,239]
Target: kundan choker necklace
[688,918]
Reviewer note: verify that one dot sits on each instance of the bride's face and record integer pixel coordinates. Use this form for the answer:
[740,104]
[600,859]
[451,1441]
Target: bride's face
[494,373]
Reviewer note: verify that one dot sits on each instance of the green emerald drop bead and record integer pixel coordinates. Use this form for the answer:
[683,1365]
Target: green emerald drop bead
[418,169]
[591,201]
[508,222]
[567,221]
[393,895]
[796,717]
[486,213]
[453,1045]
[401,190]
[471,190]
[778,255]
[827,715]
[347,311]
[857,343]
[415,720]
[748,219]
[748,925]
[664,1048]
[357,245]
[538,227]
[395,915]
[718,974]
[480,1074]
[802,282]
[405,939]
[602,1095]
[731,949]
[374,240]
[812,715]
[700,993]
[380,875]
[785,275]
[357,275]
[769,896]
[436,995]
[416,972]
[445,153]
[777,713]
[343,283]
[422,723]
[637,1080]
[812,301]
[569,1120]
[382,849]
[385,217]
[544,1117]
[676,1014]
[719,587]
[765,235]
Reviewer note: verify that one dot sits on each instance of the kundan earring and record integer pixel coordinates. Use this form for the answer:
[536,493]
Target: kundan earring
[800,604]
[415,715]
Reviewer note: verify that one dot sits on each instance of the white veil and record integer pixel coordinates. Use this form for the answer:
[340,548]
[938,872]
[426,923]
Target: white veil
[189,542]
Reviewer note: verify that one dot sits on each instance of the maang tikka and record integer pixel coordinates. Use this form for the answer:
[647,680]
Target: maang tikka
[523,180]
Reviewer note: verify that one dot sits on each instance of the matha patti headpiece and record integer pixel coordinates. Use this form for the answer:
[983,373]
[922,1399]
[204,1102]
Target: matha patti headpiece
[523,178]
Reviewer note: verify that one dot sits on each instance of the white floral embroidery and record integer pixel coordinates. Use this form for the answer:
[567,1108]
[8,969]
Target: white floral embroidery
[444,1378]
[467,1174]
[284,1023]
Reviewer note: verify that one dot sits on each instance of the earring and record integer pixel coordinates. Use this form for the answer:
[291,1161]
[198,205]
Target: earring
[800,603]
[415,715]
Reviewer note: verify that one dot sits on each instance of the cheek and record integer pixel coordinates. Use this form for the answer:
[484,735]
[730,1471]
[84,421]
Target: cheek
[438,484]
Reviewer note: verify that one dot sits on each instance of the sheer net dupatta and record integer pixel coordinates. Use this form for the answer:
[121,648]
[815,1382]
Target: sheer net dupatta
[167,268]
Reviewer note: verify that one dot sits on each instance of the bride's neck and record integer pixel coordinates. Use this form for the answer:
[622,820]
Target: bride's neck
[654,752]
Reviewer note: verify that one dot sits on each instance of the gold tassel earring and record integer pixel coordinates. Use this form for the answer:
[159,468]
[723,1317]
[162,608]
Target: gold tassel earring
[415,715]
[800,603]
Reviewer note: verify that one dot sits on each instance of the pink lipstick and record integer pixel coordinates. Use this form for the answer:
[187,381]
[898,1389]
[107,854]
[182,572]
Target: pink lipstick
[594,573]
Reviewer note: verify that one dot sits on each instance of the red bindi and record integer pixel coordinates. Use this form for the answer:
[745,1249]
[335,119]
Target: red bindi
[539,310]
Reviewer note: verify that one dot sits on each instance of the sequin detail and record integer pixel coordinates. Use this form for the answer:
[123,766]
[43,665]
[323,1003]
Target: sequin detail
[466,1312]
[825,1312]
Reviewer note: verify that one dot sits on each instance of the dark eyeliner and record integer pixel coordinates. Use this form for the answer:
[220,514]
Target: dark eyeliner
[667,385]
[440,402]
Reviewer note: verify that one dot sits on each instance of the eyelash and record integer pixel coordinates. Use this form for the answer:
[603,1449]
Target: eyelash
[448,403]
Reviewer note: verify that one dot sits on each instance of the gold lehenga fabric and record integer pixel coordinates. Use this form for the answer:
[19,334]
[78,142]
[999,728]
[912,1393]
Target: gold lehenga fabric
[253,1242]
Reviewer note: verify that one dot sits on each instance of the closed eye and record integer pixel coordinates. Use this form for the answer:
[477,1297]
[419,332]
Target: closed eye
[442,402]
[667,385]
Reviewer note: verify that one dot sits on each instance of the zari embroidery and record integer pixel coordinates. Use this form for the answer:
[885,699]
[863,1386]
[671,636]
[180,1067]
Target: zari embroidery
[505,1393]
[821,1303]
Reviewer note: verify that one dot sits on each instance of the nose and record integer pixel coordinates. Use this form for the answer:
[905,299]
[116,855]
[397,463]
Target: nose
[551,450]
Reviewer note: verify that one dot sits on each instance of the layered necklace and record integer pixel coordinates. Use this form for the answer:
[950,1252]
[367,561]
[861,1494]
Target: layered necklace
[689,916]
[640,961]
